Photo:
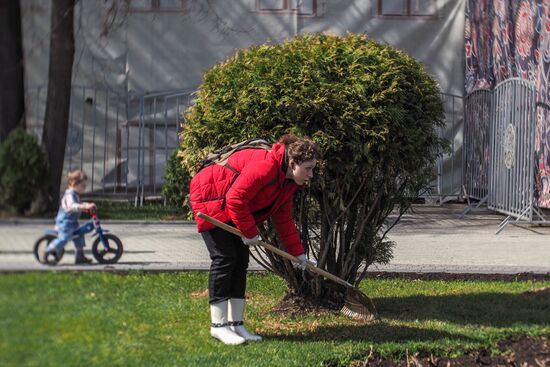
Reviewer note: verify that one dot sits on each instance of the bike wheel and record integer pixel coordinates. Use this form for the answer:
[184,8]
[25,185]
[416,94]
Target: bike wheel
[40,247]
[110,255]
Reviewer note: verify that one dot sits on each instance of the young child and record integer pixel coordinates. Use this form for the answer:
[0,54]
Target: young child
[66,221]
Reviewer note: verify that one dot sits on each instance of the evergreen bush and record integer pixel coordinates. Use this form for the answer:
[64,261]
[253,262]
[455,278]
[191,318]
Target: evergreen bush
[372,109]
[176,182]
[24,171]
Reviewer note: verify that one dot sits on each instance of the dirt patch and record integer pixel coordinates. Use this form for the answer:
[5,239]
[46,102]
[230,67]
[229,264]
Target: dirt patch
[292,305]
[521,351]
[200,294]
[204,294]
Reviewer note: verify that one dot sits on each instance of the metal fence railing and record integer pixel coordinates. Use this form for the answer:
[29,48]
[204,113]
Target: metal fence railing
[93,140]
[512,169]
[447,179]
[499,146]
[477,123]
[94,134]
[153,125]
[123,141]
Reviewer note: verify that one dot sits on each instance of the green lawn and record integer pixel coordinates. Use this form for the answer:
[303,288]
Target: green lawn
[105,319]
[122,210]
[149,211]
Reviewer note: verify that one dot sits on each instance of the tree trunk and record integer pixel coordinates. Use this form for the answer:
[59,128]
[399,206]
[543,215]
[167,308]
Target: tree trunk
[58,103]
[12,98]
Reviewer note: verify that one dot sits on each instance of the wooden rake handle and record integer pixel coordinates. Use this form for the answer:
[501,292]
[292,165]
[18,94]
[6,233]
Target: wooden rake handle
[277,251]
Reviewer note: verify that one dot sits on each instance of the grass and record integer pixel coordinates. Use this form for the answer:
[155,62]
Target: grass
[121,210]
[105,319]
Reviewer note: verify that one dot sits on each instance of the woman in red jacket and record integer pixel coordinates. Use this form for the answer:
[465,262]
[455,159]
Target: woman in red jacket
[254,185]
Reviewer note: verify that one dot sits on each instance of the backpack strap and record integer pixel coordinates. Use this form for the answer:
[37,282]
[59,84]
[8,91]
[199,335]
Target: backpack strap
[220,156]
[237,173]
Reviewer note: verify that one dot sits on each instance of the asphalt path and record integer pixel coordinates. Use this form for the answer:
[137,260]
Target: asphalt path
[428,239]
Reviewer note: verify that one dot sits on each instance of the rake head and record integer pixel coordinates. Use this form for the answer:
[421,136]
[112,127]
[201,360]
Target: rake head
[358,306]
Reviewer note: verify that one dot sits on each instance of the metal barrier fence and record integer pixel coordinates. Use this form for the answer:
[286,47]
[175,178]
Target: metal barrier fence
[121,141]
[477,123]
[447,179]
[512,166]
[94,135]
[502,170]
[124,141]
[94,138]
[154,123]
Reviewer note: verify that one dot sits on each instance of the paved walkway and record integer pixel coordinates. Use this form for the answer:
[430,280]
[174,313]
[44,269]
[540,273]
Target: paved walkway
[429,239]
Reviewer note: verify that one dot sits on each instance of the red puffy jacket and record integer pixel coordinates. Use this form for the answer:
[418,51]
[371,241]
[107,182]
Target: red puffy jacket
[257,189]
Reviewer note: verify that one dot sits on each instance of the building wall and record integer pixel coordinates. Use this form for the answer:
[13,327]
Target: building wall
[172,50]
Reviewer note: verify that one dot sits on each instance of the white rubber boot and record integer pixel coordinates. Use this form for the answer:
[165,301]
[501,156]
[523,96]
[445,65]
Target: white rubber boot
[220,329]
[236,317]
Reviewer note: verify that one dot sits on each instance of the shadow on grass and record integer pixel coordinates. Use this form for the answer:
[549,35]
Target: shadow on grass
[488,309]
[482,309]
[378,332]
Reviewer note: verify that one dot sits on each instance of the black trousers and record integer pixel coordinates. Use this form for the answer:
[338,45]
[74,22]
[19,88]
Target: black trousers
[229,255]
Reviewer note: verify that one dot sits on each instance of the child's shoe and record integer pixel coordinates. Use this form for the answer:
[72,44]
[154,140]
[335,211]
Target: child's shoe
[81,259]
[52,256]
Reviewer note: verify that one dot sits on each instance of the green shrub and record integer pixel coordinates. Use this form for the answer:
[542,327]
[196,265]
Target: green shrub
[176,182]
[23,171]
[373,111]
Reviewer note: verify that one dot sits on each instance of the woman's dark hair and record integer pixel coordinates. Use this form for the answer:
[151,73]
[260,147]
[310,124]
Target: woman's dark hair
[300,150]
